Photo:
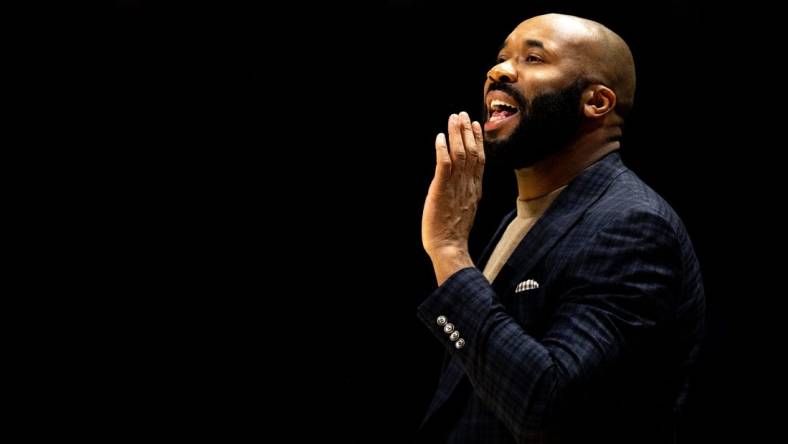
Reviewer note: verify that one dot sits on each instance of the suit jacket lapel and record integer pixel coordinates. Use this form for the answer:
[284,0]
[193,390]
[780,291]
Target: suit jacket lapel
[564,212]
[557,220]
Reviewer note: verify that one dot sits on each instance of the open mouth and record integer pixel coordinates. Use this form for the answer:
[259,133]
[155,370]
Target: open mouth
[500,109]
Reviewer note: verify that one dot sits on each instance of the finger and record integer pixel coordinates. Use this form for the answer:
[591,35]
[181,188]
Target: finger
[479,138]
[442,158]
[469,140]
[456,148]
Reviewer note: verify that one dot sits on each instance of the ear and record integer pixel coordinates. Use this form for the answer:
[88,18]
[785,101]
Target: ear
[598,100]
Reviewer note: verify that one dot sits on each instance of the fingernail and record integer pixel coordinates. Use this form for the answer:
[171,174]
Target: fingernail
[465,116]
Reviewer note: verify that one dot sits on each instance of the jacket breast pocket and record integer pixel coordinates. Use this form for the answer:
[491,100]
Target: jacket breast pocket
[528,308]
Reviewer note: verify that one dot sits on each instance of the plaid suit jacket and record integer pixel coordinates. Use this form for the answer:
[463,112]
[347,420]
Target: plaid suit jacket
[601,351]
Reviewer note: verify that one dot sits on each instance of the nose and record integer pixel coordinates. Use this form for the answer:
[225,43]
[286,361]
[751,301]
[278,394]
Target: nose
[503,72]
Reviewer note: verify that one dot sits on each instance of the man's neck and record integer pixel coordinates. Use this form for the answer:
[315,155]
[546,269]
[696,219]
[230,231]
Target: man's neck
[560,168]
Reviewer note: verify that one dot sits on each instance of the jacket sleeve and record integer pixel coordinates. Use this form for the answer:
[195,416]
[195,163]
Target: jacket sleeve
[616,287]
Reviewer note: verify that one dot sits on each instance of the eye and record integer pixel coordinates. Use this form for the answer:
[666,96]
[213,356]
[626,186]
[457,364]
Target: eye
[500,59]
[533,59]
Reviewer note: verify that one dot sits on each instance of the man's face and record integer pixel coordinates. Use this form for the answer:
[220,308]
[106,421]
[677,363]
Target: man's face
[532,96]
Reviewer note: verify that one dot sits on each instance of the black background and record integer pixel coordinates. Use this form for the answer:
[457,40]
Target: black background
[289,152]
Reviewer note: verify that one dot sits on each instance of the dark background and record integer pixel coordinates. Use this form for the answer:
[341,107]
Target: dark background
[290,150]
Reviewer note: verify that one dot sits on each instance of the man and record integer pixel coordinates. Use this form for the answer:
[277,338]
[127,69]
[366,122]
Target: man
[585,313]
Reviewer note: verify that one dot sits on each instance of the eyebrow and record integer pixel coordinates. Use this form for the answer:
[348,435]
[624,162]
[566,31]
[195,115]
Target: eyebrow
[528,42]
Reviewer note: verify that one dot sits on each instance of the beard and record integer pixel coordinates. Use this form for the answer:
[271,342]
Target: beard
[547,124]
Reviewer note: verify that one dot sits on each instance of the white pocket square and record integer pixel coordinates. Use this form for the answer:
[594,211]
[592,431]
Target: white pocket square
[530,284]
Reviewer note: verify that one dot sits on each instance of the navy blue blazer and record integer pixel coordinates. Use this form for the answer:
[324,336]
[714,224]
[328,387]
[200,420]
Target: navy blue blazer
[600,351]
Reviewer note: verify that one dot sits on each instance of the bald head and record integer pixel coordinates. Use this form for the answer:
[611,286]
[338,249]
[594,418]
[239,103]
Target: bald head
[599,54]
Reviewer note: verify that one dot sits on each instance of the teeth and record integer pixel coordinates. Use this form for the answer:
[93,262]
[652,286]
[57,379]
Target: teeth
[496,105]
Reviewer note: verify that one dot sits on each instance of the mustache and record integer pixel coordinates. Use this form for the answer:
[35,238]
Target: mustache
[509,89]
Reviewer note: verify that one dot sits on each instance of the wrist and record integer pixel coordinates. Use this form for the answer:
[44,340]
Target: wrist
[448,260]
[448,252]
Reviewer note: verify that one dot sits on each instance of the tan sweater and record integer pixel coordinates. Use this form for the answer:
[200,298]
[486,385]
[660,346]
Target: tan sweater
[528,212]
